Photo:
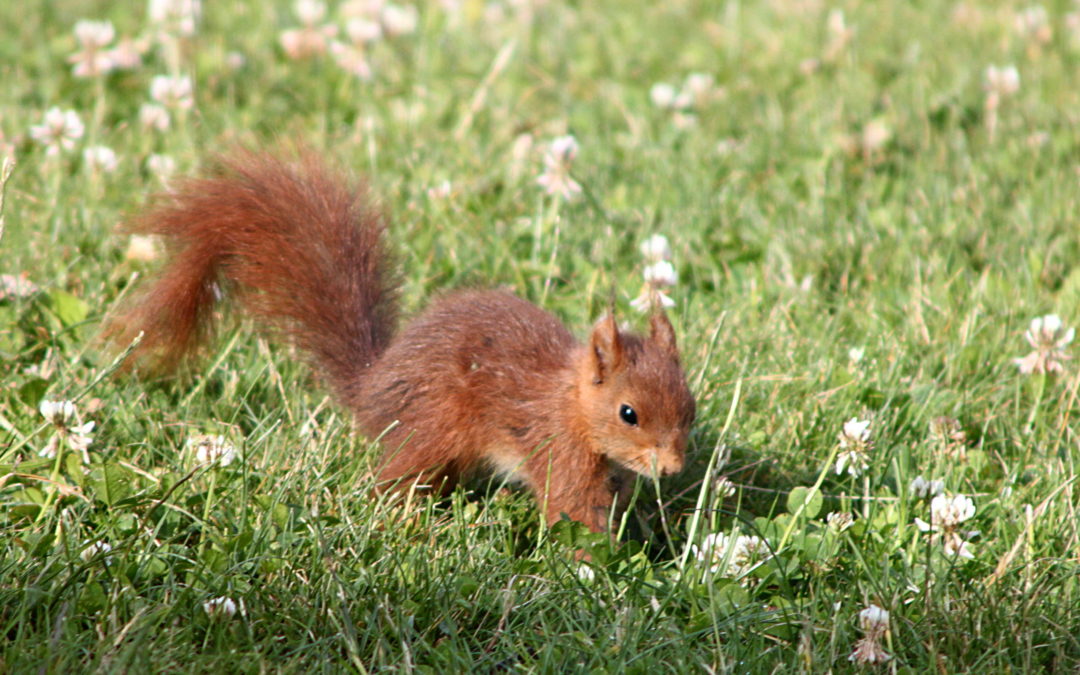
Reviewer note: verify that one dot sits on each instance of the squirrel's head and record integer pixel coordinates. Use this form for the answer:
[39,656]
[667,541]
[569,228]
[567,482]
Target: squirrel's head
[635,398]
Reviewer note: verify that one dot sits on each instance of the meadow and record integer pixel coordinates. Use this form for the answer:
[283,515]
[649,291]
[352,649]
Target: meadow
[870,213]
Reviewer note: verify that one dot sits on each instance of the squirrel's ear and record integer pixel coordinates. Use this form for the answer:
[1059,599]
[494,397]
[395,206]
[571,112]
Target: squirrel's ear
[661,331]
[606,348]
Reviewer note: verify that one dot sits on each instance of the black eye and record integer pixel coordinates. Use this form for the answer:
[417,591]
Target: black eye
[627,414]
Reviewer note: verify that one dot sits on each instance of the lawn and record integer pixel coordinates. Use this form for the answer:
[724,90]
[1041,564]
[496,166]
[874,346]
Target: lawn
[871,220]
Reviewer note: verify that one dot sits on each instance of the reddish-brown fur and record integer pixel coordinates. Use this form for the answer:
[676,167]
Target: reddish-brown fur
[480,380]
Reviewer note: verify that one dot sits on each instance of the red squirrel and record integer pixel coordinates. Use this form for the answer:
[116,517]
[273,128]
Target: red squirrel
[481,379]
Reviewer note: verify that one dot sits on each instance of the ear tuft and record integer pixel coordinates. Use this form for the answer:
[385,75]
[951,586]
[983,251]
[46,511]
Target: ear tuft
[606,348]
[662,333]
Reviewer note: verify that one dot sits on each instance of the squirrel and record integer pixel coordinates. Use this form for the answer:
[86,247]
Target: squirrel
[480,380]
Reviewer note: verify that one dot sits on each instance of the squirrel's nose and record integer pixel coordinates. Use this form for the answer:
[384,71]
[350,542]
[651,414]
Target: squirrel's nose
[674,467]
[669,461]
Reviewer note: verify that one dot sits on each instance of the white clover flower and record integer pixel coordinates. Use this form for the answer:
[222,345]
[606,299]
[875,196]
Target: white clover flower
[362,31]
[1003,81]
[556,178]
[310,39]
[59,413]
[154,117]
[142,248]
[161,166]
[661,274]
[658,276]
[1033,24]
[835,23]
[92,59]
[920,487]
[875,134]
[310,12]
[50,449]
[441,190]
[856,433]
[948,512]
[874,619]
[172,92]
[731,555]
[79,439]
[12,286]
[59,130]
[955,545]
[656,248]
[854,461]
[212,449]
[235,60]
[220,608]
[840,520]
[854,447]
[856,354]
[1049,337]
[563,149]
[94,34]
[663,95]
[63,415]
[128,53]
[100,158]
[723,487]
[174,18]
[650,295]
[868,651]
[95,549]
[398,20]
[302,43]
[699,86]
[352,59]
[874,622]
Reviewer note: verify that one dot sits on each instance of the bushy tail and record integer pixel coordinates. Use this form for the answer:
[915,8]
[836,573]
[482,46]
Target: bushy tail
[301,249]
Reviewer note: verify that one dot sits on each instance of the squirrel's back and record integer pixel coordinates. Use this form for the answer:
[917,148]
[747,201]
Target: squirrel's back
[478,369]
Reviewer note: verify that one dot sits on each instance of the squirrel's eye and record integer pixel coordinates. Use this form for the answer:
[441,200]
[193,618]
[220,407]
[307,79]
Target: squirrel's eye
[627,414]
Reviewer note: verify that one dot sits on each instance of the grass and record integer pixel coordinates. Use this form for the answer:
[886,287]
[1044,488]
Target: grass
[829,194]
